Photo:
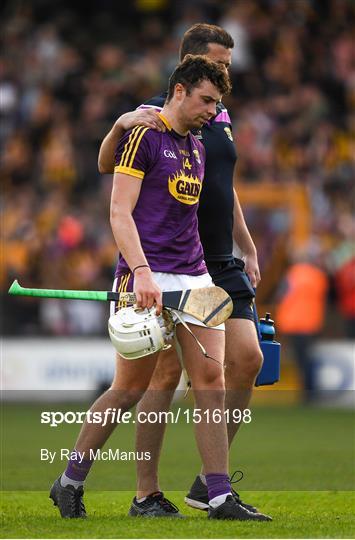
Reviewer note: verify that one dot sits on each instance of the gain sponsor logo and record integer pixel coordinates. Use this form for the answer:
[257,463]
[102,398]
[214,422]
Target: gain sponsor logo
[184,188]
[169,154]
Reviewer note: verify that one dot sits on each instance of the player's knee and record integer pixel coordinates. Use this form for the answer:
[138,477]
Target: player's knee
[209,391]
[211,379]
[167,372]
[171,377]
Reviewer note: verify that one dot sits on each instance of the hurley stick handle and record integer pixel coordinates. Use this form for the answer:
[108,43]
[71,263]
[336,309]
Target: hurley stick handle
[104,296]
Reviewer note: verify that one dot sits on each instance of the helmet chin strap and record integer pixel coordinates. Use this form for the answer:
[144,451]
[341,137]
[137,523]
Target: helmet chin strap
[203,350]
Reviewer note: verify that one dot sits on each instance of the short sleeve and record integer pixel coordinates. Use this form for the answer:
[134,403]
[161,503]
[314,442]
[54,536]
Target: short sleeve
[133,153]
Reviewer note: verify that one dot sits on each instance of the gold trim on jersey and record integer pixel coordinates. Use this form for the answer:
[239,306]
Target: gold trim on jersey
[131,148]
[128,143]
[136,147]
[123,288]
[165,121]
[130,171]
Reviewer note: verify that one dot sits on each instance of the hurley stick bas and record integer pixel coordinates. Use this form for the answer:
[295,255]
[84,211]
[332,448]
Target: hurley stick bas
[210,305]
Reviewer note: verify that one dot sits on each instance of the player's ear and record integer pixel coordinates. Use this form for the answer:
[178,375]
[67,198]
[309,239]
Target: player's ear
[179,91]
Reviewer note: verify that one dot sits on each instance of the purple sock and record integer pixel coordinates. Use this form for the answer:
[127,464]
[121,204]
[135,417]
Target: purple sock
[77,470]
[217,484]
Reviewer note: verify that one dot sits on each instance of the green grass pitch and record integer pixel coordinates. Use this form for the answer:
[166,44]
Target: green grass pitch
[298,466]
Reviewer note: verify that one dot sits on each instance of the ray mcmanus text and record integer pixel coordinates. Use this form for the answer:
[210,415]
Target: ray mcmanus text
[95,455]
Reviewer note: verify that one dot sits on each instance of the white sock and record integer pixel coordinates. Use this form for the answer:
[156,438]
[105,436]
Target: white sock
[220,499]
[142,499]
[203,479]
[66,481]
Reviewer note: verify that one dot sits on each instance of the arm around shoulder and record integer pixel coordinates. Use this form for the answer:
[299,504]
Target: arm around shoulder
[139,117]
[106,159]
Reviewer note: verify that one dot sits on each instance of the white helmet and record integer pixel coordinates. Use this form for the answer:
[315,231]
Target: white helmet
[138,332]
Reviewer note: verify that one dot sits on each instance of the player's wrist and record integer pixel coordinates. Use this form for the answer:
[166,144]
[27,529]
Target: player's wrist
[119,125]
[251,253]
[141,269]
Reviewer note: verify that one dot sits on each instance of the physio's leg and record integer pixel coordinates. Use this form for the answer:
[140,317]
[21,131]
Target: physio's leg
[149,436]
[207,381]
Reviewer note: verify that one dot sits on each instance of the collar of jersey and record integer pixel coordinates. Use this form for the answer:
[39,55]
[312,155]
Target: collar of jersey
[165,121]
[169,127]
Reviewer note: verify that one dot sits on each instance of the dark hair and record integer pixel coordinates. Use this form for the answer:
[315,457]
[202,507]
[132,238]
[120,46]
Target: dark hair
[195,69]
[197,38]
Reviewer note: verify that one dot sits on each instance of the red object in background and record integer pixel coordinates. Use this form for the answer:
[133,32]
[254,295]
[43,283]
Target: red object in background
[70,232]
[345,285]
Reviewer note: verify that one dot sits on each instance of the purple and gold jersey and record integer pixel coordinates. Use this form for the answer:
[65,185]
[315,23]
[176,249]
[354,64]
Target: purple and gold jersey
[215,211]
[171,168]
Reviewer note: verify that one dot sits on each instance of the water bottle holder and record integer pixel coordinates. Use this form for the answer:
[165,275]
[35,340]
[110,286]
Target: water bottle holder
[270,371]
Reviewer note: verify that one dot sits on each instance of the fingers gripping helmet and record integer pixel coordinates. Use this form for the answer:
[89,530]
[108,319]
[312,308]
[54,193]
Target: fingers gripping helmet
[139,332]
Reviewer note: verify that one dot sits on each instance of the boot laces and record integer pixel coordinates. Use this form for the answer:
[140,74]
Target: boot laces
[232,481]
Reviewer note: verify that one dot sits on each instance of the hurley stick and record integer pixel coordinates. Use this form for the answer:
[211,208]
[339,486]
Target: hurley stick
[210,305]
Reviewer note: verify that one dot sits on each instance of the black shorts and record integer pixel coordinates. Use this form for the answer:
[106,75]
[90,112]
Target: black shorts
[231,277]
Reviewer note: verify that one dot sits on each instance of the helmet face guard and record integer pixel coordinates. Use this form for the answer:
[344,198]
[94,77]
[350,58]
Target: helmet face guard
[136,333]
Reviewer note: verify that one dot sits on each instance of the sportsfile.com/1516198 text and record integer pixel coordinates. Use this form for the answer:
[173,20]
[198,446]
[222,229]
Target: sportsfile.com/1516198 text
[112,416]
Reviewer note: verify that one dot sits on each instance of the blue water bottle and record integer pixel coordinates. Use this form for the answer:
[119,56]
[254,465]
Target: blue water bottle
[270,372]
[267,328]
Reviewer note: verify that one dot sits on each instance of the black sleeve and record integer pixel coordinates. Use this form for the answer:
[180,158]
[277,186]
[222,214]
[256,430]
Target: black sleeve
[156,101]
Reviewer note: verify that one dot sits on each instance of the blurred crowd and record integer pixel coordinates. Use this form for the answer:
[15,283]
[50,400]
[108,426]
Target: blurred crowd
[67,74]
